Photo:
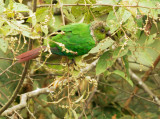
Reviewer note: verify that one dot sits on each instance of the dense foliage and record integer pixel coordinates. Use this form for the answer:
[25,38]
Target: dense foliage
[100,83]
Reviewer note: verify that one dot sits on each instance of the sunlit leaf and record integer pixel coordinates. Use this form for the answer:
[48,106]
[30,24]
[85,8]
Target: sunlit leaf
[41,13]
[102,45]
[120,51]
[44,29]
[151,39]
[147,11]
[4,45]
[18,7]
[114,20]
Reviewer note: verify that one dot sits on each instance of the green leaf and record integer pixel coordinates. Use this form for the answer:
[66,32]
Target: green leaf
[139,22]
[151,39]
[41,14]
[34,20]
[123,75]
[104,62]
[104,44]
[147,11]
[127,75]
[69,1]
[2,9]
[18,7]
[125,15]
[112,2]
[120,51]
[24,29]
[106,73]
[120,73]
[4,45]
[142,56]
[114,21]
[44,29]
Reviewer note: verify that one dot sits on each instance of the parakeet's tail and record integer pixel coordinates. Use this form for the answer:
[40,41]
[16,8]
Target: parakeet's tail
[31,54]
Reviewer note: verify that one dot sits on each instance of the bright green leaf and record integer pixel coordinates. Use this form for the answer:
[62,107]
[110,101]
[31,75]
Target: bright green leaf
[102,45]
[125,15]
[120,73]
[104,62]
[112,22]
[112,2]
[119,52]
[44,29]
[127,75]
[145,11]
[2,9]
[151,39]
[18,7]
[115,19]
[123,75]
[142,56]
[41,14]
[4,45]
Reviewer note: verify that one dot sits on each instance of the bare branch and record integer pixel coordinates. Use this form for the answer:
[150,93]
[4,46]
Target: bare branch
[144,78]
[45,5]
[61,8]
[23,100]
[145,87]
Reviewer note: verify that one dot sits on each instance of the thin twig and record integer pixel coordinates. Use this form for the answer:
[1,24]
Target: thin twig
[7,68]
[89,100]
[45,5]
[61,7]
[34,5]
[11,59]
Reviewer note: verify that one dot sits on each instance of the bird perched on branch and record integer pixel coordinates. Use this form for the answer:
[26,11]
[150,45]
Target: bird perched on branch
[73,40]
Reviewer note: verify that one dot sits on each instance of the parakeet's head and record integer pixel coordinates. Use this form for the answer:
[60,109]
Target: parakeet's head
[99,30]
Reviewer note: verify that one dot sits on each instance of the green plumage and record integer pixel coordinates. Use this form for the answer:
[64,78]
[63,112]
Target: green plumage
[78,38]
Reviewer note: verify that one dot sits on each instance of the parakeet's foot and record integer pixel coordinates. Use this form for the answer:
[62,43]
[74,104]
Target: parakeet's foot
[73,62]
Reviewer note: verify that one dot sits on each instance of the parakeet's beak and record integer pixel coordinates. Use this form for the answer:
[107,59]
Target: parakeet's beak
[108,34]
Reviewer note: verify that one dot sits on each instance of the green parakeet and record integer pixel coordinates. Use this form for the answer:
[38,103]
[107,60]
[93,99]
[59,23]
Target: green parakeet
[72,40]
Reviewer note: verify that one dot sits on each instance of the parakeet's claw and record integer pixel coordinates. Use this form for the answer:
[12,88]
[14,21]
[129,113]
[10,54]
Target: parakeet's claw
[72,62]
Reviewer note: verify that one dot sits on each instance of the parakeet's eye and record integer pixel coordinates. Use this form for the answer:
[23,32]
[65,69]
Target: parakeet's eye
[102,30]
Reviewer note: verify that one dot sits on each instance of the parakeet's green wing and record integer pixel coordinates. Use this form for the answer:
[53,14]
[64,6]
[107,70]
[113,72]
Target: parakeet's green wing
[76,37]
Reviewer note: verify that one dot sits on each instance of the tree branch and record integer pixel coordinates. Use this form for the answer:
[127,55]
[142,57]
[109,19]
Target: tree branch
[144,78]
[23,100]
[45,5]
[61,8]
[145,87]
[20,83]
